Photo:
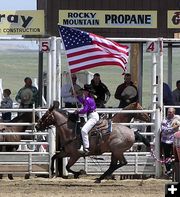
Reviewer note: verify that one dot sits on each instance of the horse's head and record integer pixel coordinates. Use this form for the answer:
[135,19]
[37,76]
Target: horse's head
[46,120]
[140,115]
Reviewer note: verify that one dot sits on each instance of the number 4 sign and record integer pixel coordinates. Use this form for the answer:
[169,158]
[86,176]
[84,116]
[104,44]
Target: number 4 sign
[44,46]
[152,47]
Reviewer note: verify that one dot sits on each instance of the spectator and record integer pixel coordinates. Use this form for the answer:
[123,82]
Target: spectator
[168,128]
[101,91]
[176,96]
[126,92]
[69,99]
[6,103]
[27,95]
[167,95]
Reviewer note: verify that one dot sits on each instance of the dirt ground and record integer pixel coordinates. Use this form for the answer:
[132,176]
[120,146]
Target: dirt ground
[82,187]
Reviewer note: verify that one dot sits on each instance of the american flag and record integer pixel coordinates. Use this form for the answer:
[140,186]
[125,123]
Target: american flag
[86,50]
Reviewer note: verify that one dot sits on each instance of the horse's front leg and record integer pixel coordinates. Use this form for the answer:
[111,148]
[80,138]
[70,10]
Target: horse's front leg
[54,157]
[71,162]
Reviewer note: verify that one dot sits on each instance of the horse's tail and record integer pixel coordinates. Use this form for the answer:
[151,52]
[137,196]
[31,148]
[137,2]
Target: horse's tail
[140,138]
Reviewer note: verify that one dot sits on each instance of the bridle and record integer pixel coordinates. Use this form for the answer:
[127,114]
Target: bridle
[49,120]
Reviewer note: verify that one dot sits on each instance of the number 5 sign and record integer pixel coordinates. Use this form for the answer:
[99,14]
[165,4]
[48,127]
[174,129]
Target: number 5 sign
[44,46]
[152,47]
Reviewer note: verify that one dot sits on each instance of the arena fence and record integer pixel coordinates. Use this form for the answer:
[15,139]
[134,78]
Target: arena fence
[33,156]
[33,162]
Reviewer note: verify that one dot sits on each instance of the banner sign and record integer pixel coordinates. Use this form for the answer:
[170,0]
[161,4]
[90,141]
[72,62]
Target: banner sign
[22,22]
[108,18]
[173,19]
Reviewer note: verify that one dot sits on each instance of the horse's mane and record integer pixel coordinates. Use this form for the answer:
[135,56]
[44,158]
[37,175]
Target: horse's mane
[131,106]
[64,112]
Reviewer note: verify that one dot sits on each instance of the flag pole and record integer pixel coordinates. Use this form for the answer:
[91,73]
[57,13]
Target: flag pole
[70,74]
[73,90]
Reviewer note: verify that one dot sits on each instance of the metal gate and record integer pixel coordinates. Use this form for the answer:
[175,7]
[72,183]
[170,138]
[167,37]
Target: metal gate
[30,160]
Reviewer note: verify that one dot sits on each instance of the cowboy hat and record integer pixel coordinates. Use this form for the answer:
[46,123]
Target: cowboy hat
[88,87]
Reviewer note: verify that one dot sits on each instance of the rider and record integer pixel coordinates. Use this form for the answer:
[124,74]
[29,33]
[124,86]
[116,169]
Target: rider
[89,108]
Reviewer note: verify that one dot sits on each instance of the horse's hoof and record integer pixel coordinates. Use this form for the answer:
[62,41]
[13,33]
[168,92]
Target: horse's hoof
[65,177]
[10,177]
[82,172]
[53,175]
[76,176]
[98,180]
[26,176]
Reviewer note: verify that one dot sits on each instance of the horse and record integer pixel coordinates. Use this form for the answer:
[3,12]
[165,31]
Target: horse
[117,141]
[23,117]
[127,117]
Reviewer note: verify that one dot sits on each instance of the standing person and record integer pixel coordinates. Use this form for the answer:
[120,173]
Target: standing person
[89,108]
[167,95]
[176,96]
[168,128]
[70,101]
[27,95]
[6,103]
[126,92]
[101,91]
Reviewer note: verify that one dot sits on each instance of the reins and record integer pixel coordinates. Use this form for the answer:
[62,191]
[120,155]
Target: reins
[62,124]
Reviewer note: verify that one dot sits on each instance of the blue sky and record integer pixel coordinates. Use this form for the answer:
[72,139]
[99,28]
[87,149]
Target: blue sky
[17,4]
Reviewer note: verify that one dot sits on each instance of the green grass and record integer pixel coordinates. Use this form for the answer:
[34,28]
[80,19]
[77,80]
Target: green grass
[16,65]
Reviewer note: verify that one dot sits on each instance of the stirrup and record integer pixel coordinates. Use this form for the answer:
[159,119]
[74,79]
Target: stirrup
[84,151]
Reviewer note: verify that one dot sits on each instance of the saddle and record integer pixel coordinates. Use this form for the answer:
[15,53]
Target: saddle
[100,130]
[102,127]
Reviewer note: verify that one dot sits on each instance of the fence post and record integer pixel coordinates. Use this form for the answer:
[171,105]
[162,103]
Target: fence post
[1,90]
[157,142]
[52,146]
[65,172]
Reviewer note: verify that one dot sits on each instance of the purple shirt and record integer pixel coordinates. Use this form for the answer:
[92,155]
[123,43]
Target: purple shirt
[89,105]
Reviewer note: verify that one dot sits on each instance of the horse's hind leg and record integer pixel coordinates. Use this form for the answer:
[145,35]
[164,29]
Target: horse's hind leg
[71,162]
[113,166]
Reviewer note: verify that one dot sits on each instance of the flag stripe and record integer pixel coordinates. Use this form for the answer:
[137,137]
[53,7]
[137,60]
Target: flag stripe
[93,51]
[77,69]
[105,61]
[86,50]
[90,52]
[109,45]
[89,58]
